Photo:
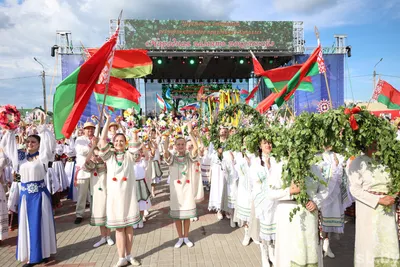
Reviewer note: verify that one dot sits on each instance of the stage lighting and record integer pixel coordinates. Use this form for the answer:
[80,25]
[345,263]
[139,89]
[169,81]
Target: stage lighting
[191,61]
[241,61]
[271,61]
[159,61]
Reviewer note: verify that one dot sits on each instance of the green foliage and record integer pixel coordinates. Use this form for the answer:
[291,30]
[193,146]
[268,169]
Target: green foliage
[246,112]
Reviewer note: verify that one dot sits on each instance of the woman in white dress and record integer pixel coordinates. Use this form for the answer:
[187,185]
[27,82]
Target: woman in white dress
[98,191]
[376,241]
[36,239]
[122,207]
[3,198]
[156,173]
[242,212]
[182,200]
[142,156]
[297,241]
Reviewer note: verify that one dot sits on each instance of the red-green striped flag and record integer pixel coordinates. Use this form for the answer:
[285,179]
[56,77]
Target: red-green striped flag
[309,68]
[73,93]
[387,95]
[133,63]
[276,79]
[120,95]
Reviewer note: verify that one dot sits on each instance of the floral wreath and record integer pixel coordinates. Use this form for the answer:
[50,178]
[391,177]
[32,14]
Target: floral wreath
[9,117]
[230,111]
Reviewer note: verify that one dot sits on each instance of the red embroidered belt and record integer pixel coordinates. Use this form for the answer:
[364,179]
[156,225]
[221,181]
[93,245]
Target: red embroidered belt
[377,193]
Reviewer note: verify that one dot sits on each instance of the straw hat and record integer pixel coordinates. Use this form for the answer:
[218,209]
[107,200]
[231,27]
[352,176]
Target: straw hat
[113,124]
[88,124]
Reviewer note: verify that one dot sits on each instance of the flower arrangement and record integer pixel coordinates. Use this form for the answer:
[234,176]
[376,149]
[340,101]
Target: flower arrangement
[9,117]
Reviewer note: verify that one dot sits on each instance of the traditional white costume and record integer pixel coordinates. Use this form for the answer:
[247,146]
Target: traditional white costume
[182,199]
[376,241]
[297,241]
[122,202]
[98,192]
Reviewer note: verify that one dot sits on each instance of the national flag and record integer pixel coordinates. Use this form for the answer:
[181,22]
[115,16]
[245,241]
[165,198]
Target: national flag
[168,95]
[258,69]
[253,92]
[276,79]
[161,102]
[388,95]
[309,68]
[73,93]
[200,93]
[120,94]
[378,89]
[192,106]
[132,63]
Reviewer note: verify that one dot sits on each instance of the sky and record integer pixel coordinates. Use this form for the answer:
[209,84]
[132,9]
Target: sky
[28,29]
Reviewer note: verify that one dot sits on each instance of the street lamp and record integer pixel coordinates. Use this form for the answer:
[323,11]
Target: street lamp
[44,85]
[374,74]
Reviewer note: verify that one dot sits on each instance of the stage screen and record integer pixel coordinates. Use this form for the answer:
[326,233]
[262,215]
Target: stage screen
[191,35]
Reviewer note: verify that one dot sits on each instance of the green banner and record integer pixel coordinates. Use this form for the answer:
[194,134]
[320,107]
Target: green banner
[208,35]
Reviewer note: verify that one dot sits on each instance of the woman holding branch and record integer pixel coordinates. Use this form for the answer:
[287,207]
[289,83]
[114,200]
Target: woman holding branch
[182,203]
[122,206]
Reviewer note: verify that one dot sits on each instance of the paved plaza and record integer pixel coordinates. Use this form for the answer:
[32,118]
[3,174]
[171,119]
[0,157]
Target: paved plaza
[216,243]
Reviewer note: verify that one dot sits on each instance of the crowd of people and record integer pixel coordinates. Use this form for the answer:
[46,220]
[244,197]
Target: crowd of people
[116,168]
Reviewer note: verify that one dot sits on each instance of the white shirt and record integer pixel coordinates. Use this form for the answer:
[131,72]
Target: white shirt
[82,149]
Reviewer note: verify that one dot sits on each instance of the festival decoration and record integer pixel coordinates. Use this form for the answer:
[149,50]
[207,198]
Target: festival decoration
[323,106]
[9,117]
[229,112]
[312,132]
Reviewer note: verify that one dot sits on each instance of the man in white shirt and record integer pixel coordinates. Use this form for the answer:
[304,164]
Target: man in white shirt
[82,147]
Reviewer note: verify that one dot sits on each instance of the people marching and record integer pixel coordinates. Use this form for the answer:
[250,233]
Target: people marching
[116,169]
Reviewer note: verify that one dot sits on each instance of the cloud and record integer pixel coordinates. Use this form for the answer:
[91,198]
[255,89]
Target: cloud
[28,29]
[307,7]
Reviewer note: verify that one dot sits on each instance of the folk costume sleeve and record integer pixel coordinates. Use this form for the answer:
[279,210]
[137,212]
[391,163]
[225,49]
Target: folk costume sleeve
[358,169]
[47,148]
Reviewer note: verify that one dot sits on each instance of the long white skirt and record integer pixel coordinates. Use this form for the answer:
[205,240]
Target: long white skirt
[59,170]
[217,187]
[3,214]
[296,241]
[70,170]
[36,230]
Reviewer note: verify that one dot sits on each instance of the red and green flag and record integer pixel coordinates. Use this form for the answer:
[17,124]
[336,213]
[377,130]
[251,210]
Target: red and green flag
[73,93]
[276,79]
[387,95]
[120,94]
[133,63]
[309,68]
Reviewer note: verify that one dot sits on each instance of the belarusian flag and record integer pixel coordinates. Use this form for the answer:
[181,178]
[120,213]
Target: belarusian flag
[276,79]
[161,102]
[133,63]
[73,93]
[388,95]
[120,95]
[309,68]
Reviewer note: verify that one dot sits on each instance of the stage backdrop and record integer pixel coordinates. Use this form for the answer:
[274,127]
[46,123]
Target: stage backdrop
[69,63]
[305,101]
[209,35]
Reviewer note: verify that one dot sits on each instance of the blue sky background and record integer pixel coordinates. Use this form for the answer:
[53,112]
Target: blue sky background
[27,30]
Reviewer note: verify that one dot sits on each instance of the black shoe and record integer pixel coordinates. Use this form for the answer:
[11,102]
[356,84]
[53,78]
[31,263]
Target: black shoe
[29,264]
[78,220]
[46,260]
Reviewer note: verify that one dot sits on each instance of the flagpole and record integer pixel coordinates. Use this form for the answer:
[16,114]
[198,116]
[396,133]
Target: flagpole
[108,78]
[326,78]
